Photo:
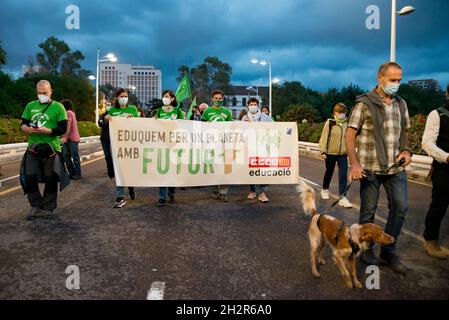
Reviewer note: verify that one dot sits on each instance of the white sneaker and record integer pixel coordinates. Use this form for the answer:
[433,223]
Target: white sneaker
[252,195]
[344,202]
[325,194]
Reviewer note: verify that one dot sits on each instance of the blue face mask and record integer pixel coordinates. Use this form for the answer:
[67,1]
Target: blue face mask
[391,88]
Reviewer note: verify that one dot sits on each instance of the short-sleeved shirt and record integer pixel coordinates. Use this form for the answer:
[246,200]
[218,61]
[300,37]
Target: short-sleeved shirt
[175,114]
[54,113]
[124,112]
[366,150]
[212,114]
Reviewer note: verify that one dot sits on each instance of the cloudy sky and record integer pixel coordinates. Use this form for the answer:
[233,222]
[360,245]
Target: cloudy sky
[322,43]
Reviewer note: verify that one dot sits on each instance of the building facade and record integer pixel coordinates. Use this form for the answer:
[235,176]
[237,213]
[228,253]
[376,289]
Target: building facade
[426,84]
[145,81]
[236,99]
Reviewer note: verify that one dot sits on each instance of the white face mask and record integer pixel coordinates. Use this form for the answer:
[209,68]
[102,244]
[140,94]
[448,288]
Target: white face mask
[123,101]
[253,109]
[166,101]
[43,98]
[108,108]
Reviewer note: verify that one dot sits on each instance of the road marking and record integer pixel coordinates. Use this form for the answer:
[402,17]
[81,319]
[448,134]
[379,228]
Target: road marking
[156,291]
[19,187]
[383,220]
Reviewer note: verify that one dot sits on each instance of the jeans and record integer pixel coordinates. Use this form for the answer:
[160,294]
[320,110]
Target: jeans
[72,158]
[120,191]
[36,166]
[223,189]
[439,204]
[262,188]
[342,161]
[163,192]
[396,188]
[106,144]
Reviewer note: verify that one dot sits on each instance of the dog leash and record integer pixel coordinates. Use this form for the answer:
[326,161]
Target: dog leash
[396,165]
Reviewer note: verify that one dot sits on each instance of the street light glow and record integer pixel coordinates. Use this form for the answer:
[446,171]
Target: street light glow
[110,56]
[406,10]
[92,77]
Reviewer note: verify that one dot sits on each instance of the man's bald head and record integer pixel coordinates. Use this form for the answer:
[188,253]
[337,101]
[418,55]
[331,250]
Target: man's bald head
[43,87]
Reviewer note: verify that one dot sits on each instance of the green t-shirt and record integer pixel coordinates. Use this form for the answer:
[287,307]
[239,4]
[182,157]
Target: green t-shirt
[175,114]
[124,112]
[212,114]
[55,113]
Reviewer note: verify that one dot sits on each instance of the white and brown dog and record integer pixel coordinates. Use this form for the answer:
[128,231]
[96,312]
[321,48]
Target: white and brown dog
[345,241]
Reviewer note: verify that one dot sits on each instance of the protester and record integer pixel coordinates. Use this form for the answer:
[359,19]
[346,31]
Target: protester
[70,141]
[218,113]
[435,142]
[265,110]
[106,142]
[44,120]
[333,151]
[121,108]
[242,114]
[168,111]
[254,115]
[202,108]
[196,114]
[378,127]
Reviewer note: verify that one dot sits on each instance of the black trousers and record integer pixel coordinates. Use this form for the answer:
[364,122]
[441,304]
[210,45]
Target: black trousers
[439,204]
[36,167]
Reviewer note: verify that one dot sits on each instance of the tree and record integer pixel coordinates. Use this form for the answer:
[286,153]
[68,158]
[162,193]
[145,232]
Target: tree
[421,101]
[300,112]
[2,55]
[209,75]
[57,57]
[346,95]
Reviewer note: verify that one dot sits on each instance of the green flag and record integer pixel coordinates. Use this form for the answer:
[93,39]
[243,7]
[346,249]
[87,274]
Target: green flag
[191,107]
[183,91]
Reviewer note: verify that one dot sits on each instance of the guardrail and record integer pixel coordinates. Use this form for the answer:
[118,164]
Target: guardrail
[14,151]
[420,163]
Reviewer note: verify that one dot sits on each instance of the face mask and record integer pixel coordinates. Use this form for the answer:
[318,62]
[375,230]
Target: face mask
[340,116]
[108,108]
[218,103]
[391,88]
[43,98]
[166,101]
[253,109]
[123,101]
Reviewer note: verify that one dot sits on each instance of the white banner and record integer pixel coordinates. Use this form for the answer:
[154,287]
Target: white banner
[176,153]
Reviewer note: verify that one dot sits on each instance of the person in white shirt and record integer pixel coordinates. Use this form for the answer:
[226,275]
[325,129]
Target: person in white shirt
[255,115]
[435,142]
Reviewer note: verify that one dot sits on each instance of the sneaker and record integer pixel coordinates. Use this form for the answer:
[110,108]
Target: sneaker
[262,197]
[223,197]
[161,203]
[344,202]
[171,198]
[369,258]
[433,249]
[251,196]
[119,203]
[75,177]
[34,213]
[132,194]
[393,261]
[325,194]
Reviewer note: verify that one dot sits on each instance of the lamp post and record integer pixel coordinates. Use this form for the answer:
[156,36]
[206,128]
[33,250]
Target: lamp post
[403,12]
[264,63]
[110,58]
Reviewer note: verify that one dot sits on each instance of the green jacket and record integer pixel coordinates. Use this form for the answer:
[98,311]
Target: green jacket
[333,144]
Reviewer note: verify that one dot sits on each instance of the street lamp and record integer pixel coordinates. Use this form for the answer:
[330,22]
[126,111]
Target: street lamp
[403,12]
[264,63]
[108,58]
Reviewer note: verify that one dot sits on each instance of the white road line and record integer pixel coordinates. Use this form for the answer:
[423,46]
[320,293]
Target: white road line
[381,219]
[156,291]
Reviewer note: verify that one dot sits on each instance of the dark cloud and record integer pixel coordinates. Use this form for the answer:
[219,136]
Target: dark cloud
[322,43]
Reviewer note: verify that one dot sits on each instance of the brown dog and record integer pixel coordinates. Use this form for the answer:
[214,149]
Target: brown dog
[346,241]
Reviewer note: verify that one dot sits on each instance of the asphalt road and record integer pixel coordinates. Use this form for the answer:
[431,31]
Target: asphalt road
[197,248]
